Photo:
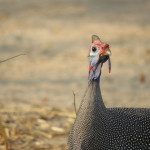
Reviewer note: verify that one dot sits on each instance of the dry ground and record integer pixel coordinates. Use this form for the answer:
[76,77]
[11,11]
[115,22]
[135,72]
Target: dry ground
[36,98]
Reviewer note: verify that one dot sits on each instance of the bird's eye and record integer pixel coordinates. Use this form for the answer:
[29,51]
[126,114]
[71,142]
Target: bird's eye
[94,49]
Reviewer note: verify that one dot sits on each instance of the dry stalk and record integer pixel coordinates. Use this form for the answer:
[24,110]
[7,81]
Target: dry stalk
[74,101]
[2,130]
[11,58]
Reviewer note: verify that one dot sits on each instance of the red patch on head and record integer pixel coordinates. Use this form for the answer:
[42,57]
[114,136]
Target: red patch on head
[105,46]
[102,46]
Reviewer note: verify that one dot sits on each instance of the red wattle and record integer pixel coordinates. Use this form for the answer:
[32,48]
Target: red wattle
[91,67]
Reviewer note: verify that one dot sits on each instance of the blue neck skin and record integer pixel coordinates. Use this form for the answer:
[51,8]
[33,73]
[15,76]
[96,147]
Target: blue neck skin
[95,80]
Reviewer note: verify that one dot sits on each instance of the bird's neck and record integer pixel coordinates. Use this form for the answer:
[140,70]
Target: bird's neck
[92,98]
[96,96]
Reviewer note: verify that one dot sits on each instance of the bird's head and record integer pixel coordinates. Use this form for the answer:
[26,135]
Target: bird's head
[99,53]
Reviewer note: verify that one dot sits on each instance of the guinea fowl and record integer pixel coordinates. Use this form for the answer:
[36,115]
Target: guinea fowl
[99,128]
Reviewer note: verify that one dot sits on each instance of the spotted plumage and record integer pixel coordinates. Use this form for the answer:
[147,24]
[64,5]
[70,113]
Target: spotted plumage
[99,128]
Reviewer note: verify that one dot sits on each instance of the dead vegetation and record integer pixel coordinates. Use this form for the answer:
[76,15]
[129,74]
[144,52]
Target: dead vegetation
[35,128]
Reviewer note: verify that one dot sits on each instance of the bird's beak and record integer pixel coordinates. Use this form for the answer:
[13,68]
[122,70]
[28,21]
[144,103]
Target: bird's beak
[105,53]
[108,53]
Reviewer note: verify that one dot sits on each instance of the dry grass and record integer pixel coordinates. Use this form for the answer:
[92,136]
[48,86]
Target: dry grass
[36,128]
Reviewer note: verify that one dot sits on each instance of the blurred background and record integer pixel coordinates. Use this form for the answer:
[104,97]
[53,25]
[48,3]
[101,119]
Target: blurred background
[56,35]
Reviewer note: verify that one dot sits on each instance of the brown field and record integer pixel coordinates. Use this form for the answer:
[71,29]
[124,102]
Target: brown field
[36,97]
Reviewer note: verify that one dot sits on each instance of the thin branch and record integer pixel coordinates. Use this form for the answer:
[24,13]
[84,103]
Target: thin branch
[12,57]
[74,101]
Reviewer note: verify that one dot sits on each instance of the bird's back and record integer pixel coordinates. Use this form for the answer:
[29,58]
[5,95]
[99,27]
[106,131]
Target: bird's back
[131,127]
[117,129]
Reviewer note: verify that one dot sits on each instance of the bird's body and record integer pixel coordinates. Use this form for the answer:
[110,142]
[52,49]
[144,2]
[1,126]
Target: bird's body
[99,128]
